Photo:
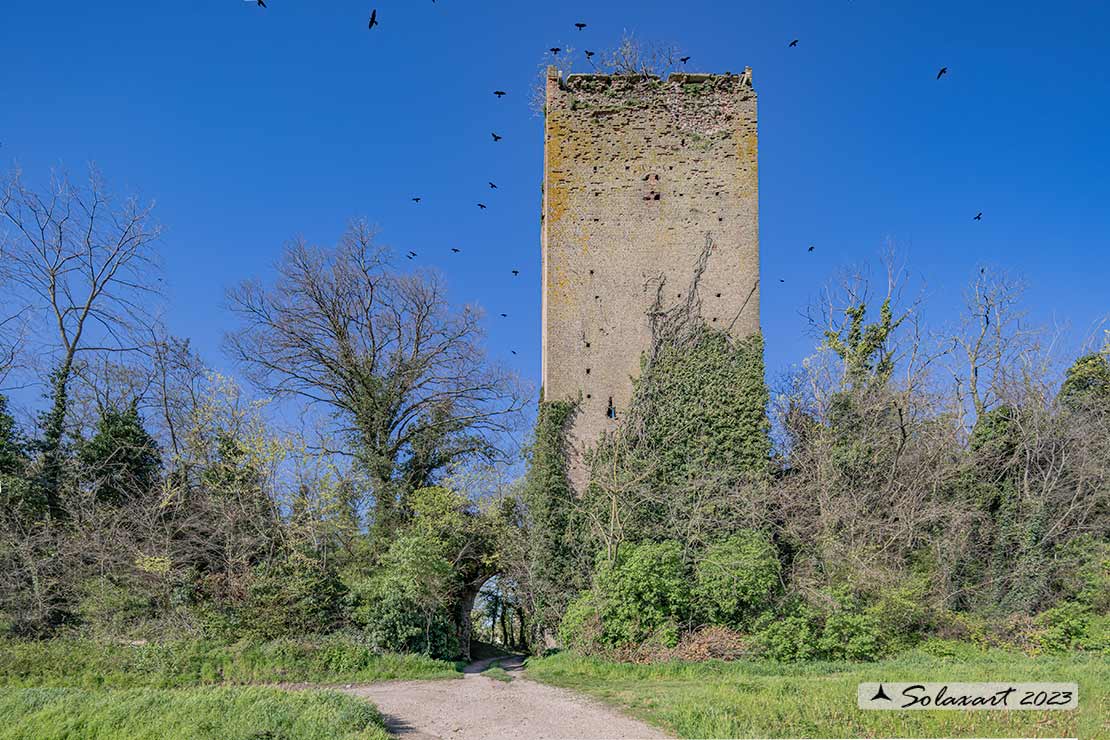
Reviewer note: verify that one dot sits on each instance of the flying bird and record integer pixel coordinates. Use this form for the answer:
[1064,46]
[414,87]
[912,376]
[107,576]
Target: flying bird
[416,199]
[781,280]
[794,42]
[684,59]
[261,3]
[555,50]
[499,93]
[811,248]
[504,315]
[373,18]
[493,186]
[579,26]
[943,71]
[496,137]
[411,254]
[979,216]
[589,53]
[516,272]
[482,206]
[513,351]
[456,250]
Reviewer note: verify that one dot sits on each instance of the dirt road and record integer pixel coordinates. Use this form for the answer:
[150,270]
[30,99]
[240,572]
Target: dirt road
[482,708]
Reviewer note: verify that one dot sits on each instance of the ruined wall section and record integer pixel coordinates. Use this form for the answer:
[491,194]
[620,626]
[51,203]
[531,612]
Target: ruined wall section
[637,172]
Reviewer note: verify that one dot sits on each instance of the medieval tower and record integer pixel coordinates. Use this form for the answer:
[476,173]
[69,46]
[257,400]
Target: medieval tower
[638,174]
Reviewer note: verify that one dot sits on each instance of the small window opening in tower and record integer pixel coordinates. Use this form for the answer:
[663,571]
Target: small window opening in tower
[587,371]
[718,295]
[611,412]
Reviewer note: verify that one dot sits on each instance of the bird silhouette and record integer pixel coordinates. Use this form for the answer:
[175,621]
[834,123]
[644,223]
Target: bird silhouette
[589,53]
[496,137]
[493,186]
[555,50]
[513,351]
[781,280]
[794,42]
[811,248]
[411,254]
[943,71]
[373,18]
[456,250]
[579,26]
[979,216]
[504,315]
[416,200]
[500,93]
[482,206]
[684,59]
[261,3]
[516,272]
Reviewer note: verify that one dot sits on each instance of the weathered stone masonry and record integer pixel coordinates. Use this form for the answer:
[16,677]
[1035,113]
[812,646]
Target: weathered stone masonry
[637,172]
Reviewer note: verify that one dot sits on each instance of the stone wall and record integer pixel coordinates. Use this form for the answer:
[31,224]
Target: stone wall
[637,173]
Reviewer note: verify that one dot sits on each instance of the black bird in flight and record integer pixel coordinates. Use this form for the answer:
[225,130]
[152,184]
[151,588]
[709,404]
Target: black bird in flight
[482,206]
[373,18]
[811,248]
[456,250]
[504,315]
[781,280]
[979,216]
[516,272]
[411,254]
[416,200]
[794,42]
[493,186]
[496,137]
[513,351]
[499,93]
[684,59]
[555,50]
[589,53]
[262,3]
[579,26]
[943,71]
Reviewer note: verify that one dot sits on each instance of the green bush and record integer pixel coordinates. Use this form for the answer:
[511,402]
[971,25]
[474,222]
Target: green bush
[580,628]
[1063,627]
[850,635]
[787,639]
[297,596]
[645,594]
[735,579]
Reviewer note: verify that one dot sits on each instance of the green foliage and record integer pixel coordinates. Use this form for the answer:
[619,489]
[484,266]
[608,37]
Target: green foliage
[642,595]
[699,406]
[298,595]
[787,639]
[1063,627]
[549,499]
[109,608]
[15,486]
[1087,383]
[405,605]
[736,578]
[864,347]
[103,664]
[121,461]
[212,714]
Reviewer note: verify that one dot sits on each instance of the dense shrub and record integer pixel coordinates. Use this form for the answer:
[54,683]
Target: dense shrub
[787,639]
[1063,627]
[297,596]
[645,593]
[735,579]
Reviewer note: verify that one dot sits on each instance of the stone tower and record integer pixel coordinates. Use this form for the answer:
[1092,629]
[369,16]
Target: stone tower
[637,173]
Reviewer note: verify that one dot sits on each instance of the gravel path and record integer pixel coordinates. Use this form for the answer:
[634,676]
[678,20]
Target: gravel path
[482,708]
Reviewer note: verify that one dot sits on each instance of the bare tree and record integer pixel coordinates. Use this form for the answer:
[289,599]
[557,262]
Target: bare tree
[402,372]
[84,263]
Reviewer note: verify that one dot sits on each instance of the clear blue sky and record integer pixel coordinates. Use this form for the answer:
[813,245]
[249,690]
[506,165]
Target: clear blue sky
[250,126]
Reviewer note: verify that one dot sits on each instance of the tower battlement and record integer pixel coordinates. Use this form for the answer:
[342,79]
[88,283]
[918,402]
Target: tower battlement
[638,171]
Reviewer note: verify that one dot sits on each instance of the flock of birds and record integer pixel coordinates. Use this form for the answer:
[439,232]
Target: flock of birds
[555,51]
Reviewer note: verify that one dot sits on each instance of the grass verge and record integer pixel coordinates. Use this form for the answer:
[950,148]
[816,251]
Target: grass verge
[497,673]
[763,699]
[216,713]
[90,664]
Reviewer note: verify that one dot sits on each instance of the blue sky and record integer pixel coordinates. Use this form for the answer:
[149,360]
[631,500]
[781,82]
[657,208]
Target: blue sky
[251,126]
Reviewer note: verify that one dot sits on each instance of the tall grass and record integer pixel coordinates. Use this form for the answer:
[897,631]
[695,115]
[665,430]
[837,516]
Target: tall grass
[764,699]
[90,664]
[198,714]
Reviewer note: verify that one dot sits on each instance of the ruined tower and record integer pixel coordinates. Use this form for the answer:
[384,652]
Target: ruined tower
[638,172]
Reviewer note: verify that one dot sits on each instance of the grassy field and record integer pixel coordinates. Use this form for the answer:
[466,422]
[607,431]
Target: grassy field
[761,699]
[89,664]
[217,713]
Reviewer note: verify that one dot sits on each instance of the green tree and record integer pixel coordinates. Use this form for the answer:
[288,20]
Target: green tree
[1087,383]
[121,461]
